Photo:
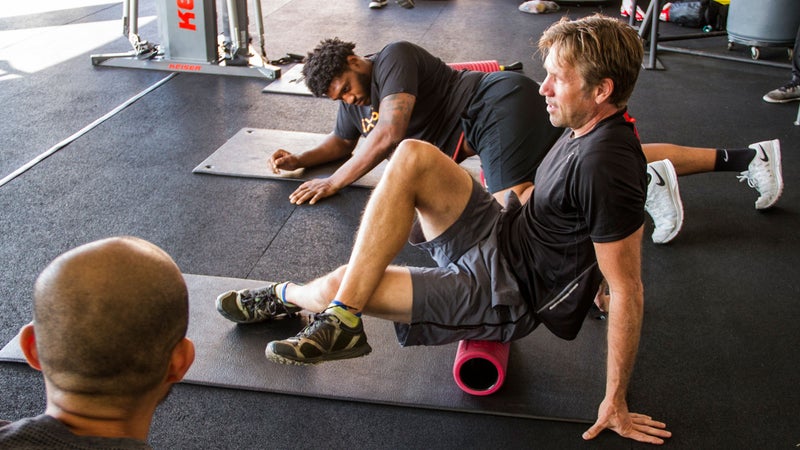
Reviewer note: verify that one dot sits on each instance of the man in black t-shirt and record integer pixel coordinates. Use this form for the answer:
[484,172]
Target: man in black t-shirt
[501,271]
[109,335]
[499,116]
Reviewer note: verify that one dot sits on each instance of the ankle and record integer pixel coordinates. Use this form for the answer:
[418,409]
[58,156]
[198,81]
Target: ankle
[344,313]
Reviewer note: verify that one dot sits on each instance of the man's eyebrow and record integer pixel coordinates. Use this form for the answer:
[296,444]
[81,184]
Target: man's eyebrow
[338,93]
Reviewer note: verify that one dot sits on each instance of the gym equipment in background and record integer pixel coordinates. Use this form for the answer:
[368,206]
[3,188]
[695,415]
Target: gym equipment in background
[191,43]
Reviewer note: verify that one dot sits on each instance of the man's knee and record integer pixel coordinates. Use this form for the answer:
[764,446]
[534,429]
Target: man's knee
[412,156]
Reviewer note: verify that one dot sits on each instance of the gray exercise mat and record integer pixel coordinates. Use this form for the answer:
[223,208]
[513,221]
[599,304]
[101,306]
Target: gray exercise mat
[291,81]
[547,378]
[247,152]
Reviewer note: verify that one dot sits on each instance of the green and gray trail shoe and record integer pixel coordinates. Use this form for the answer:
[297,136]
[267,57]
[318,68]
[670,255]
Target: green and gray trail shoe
[255,305]
[327,338]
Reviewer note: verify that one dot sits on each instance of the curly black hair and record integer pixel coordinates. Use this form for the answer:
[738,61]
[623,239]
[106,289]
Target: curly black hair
[326,62]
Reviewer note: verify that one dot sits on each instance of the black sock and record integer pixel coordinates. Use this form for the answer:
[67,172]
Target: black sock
[733,160]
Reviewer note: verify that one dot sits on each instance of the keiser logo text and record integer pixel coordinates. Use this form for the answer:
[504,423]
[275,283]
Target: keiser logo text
[186,14]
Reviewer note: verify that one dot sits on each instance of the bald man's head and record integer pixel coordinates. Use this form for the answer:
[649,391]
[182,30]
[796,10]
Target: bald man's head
[107,316]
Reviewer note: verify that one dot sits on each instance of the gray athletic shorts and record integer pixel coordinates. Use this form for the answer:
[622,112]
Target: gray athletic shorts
[473,294]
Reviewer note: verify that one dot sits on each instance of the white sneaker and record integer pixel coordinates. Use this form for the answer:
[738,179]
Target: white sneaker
[664,201]
[764,173]
[789,92]
[377,4]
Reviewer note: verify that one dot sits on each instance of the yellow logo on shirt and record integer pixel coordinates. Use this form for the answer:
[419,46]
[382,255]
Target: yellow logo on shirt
[368,123]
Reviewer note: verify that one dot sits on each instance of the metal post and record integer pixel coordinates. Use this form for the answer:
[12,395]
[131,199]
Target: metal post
[233,23]
[260,27]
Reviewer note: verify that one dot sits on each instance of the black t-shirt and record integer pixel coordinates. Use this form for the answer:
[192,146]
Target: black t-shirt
[588,189]
[441,92]
[46,432]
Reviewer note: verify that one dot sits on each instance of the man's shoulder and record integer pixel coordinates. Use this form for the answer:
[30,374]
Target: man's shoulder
[612,136]
[399,48]
[28,430]
[401,45]
[45,432]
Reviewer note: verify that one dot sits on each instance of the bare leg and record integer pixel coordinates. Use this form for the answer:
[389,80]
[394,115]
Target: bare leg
[686,160]
[419,179]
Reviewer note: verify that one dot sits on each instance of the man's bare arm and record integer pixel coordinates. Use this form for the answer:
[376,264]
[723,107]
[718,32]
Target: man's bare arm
[395,114]
[620,263]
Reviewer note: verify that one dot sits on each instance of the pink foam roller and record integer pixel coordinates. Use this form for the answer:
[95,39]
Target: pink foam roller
[480,66]
[480,366]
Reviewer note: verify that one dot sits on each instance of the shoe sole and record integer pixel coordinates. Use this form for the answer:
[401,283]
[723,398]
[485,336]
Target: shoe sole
[346,354]
[772,100]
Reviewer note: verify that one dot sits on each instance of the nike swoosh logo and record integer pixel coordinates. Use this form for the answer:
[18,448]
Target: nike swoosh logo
[764,158]
[725,155]
[659,181]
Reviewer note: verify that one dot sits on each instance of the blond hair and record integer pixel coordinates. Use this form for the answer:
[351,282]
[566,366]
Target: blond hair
[598,47]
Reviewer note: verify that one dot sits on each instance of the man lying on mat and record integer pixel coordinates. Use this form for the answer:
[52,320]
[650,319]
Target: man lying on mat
[501,271]
[405,92]
[110,320]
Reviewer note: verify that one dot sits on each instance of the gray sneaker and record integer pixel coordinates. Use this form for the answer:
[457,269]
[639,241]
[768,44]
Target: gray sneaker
[764,173]
[324,339]
[407,4]
[784,94]
[254,305]
[664,201]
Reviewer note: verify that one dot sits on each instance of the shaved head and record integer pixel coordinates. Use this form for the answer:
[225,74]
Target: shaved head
[107,316]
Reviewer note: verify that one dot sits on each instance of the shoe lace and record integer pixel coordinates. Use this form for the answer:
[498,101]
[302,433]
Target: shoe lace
[751,181]
[319,320]
[754,179]
[789,86]
[264,304]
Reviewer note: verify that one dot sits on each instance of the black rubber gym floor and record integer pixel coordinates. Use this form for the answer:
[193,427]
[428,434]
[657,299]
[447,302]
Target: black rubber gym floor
[719,351]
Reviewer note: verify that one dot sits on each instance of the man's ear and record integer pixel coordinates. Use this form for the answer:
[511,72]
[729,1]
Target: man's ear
[182,358]
[27,342]
[603,90]
[354,62]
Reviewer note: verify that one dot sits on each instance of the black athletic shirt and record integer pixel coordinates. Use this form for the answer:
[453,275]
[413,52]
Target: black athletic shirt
[588,189]
[46,432]
[441,92]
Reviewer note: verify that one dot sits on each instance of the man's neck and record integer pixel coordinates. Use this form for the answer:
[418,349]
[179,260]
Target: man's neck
[97,418]
[603,112]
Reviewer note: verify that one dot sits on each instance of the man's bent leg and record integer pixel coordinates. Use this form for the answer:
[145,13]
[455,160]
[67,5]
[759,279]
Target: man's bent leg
[419,177]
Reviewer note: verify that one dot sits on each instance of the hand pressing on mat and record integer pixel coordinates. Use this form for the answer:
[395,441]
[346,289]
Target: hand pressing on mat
[283,160]
[617,418]
[312,191]
[332,149]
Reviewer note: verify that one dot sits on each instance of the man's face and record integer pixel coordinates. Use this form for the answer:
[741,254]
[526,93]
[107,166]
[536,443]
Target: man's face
[569,103]
[352,86]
